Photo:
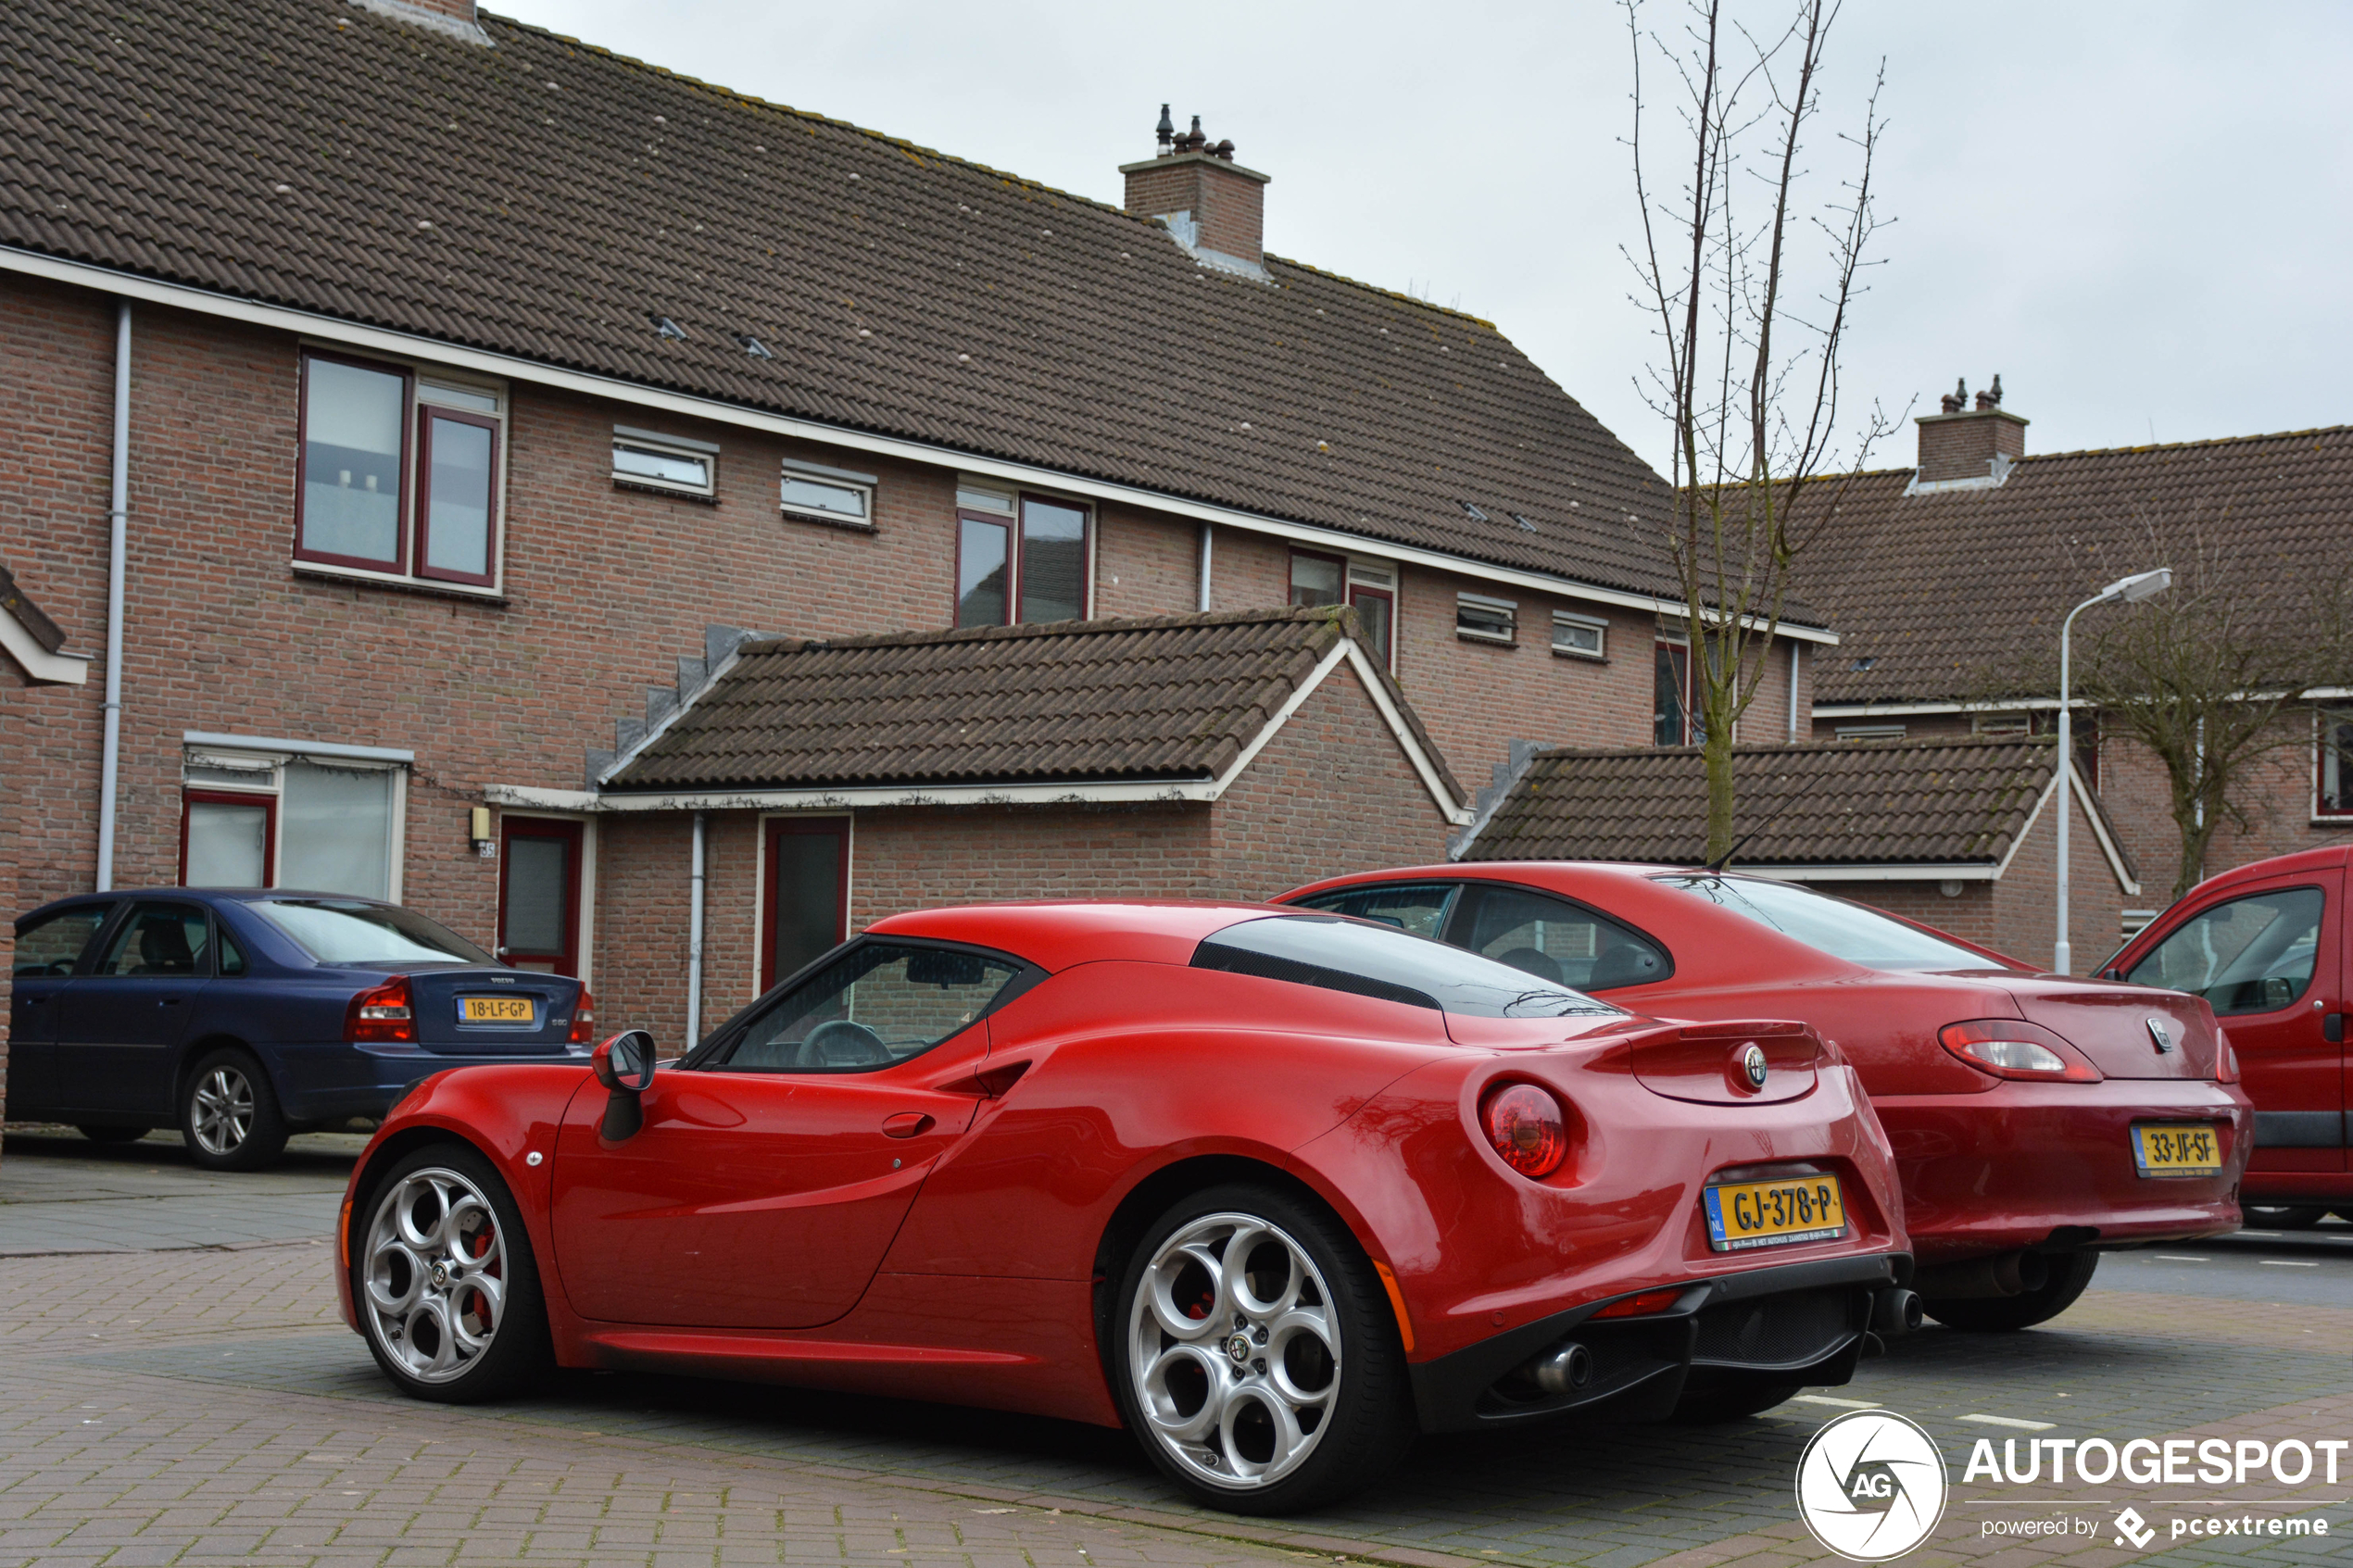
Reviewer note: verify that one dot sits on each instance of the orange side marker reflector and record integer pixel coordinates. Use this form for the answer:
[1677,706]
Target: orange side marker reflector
[1397,1301]
[343,1236]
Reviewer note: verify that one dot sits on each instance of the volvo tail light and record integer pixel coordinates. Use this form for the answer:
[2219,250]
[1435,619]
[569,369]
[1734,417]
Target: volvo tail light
[583,1020]
[1528,1127]
[382,1016]
[2011,1047]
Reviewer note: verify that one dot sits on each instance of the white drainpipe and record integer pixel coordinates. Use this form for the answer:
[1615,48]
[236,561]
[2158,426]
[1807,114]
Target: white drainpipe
[1797,650]
[1203,605]
[694,940]
[118,527]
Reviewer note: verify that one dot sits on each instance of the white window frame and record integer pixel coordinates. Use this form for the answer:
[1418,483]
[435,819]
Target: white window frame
[428,383]
[1508,608]
[2323,720]
[1870,732]
[681,447]
[864,485]
[1598,653]
[262,764]
[2003,725]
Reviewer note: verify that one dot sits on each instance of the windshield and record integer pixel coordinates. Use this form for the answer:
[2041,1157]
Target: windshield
[1840,929]
[338,931]
[1376,960]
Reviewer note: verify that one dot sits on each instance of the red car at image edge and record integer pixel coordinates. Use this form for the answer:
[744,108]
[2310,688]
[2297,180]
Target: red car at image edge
[1273,1190]
[2036,1118]
[2266,945]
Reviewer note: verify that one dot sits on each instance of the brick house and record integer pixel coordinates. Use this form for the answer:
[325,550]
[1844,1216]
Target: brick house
[446,381]
[1939,578]
[1959,834]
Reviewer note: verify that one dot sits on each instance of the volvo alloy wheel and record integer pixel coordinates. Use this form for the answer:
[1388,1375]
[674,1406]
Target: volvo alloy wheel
[1235,1350]
[434,1284]
[223,1111]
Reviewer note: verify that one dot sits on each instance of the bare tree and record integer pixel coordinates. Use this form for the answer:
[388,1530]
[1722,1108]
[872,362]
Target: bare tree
[2214,677]
[1747,377]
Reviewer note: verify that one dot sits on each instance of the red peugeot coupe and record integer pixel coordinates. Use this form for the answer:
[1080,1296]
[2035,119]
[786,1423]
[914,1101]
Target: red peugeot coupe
[1272,1189]
[2036,1120]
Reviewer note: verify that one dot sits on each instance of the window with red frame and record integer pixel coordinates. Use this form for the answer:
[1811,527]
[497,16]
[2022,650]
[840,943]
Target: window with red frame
[227,838]
[1370,588]
[398,474]
[806,912]
[1020,559]
[2335,798]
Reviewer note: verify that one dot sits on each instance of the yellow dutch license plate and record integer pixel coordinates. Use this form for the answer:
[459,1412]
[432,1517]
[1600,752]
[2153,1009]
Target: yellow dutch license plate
[2176,1149]
[495,1010]
[1747,1214]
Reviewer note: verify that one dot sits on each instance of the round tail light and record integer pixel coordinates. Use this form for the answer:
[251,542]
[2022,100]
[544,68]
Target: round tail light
[1528,1127]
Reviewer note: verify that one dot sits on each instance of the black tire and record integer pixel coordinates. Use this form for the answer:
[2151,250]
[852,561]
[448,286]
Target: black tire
[2282,1216]
[516,1352]
[229,1115]
[2071,1271]
[113,1135]
[1360,1430]
[1732,1401]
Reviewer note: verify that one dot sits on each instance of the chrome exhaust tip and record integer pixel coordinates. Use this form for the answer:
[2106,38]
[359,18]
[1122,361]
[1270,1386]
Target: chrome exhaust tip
[1565,1369]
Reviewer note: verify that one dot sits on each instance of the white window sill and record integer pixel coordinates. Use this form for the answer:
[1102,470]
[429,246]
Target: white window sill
[390,580]
[678,492]
[831,520]
[1581,653]
[1489,638]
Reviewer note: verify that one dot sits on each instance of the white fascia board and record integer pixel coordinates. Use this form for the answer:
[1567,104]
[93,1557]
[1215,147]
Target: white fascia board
[513,368]
[297,747]
[1978,870]
[2107,846]
[677,712]
[39,663]
[1137,792]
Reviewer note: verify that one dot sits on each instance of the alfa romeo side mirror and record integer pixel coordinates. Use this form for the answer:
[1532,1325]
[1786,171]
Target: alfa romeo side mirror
[625,1065]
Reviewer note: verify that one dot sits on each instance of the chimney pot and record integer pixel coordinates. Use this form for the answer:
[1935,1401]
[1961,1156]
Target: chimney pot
[1213,203]
[1965,443]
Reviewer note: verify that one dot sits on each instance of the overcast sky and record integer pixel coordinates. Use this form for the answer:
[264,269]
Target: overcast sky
[2136,213]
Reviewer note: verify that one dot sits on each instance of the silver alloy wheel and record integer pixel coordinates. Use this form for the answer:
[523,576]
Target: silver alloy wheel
[434,1286]
[1235,1350]
[223,1106]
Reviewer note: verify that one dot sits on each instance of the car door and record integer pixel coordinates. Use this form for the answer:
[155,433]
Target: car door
[123,1017]
[2268,959]
[769,1174]
[47,950]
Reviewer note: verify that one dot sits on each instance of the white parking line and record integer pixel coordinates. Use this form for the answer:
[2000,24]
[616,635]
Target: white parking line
[1841,1404]
[2178,1258]
[2288,1263]
[2011,1421]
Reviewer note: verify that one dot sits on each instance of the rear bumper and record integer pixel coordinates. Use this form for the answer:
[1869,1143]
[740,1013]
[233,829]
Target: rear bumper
[329,1083]
[1797,1322]
[2050,1165]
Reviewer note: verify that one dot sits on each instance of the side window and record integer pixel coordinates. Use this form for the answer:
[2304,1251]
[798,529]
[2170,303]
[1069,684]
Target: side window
[1555,939]
[879,1004]
[233,957]
[158,939]
[1419,908]
[52,946]
[2250,955]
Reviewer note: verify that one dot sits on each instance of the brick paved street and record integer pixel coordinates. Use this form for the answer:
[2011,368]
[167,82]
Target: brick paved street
[185,1395]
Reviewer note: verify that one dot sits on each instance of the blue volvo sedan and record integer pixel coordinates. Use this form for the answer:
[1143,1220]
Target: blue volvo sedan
[247,1016]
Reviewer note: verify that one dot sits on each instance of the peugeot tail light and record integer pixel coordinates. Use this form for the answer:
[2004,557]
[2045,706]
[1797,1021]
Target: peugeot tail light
[1528,1127]
[2226,1060]
[583,1020]
[2011,1047]
[382,1016]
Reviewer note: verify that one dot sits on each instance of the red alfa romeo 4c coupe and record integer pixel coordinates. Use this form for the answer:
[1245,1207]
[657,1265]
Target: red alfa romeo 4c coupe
[2036,1118]
[1273,1190]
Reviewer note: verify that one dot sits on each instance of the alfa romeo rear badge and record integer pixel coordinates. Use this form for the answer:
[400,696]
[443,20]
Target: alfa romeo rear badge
[1753,1064]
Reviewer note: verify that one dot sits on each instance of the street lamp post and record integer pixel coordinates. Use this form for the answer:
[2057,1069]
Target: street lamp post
[2126,590]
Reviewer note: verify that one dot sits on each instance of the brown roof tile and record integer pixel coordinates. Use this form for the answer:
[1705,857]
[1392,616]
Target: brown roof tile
[544,198]
[1934,594]
[1905,803]
[1174,697]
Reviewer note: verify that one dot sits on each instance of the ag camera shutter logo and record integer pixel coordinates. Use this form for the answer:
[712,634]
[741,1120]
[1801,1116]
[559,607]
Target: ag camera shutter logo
[1870,1485]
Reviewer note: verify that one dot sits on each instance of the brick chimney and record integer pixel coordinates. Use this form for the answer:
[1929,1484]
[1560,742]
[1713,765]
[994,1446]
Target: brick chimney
[1214,207]
[1978,443]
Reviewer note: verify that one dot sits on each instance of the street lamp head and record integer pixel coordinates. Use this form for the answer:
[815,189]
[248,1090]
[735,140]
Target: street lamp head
[2140,585]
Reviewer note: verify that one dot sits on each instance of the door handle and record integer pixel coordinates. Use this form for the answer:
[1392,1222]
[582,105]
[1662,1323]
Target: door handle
[906,1125]
[2333,1028]
[169,1002]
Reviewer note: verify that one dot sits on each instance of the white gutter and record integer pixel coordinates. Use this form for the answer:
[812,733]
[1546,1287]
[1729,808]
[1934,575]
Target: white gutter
[514,368]
[694,937]
[39,663]
[118,530]
[1928,872]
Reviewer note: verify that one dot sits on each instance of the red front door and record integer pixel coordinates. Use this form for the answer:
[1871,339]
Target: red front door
[539,893]
[2268,957]
[748,1200]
